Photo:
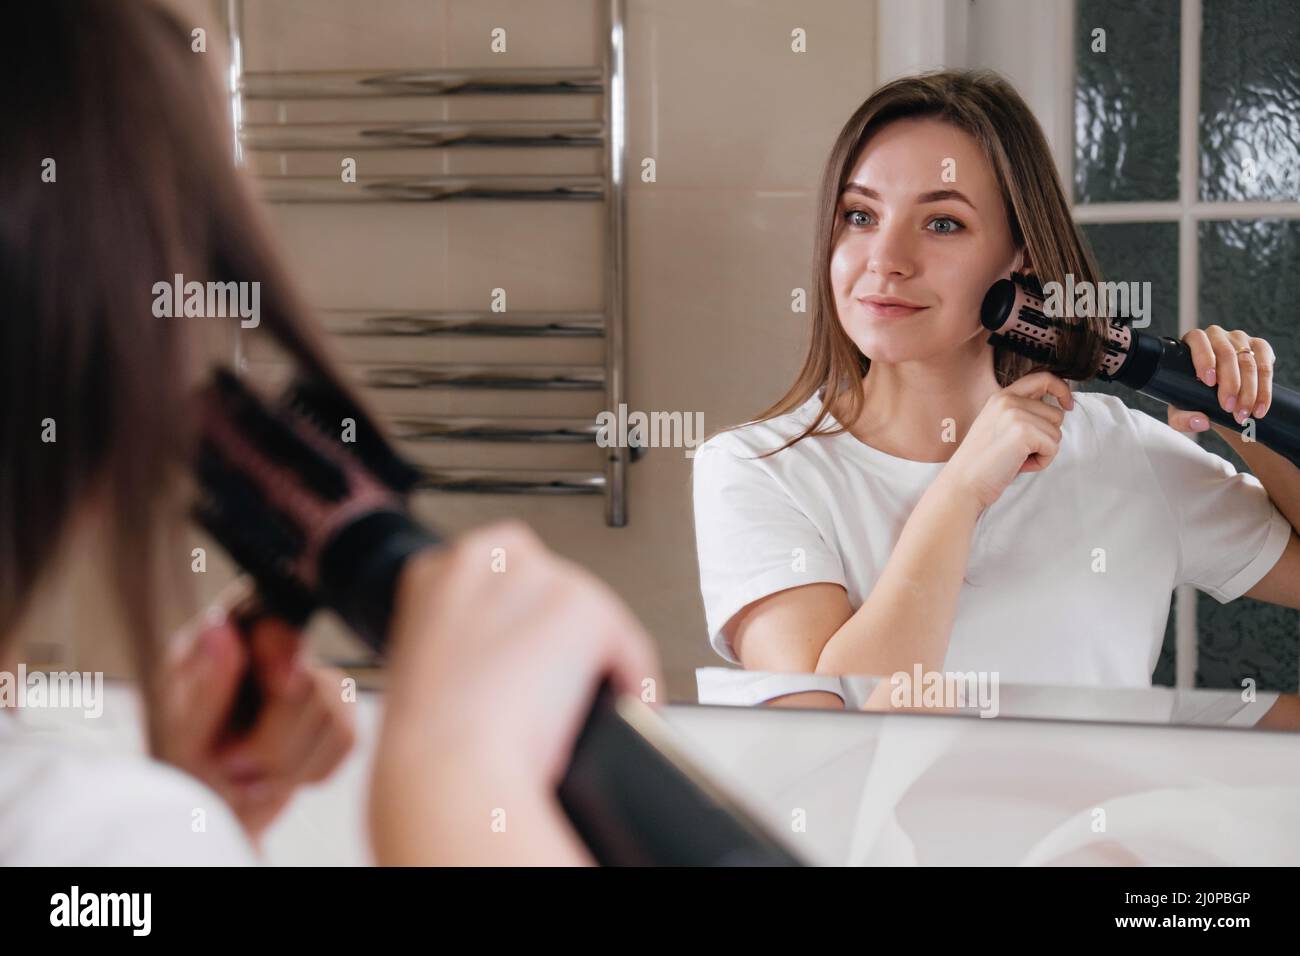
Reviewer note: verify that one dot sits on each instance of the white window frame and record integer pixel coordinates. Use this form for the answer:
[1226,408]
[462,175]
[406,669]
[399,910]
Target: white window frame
[1032,43]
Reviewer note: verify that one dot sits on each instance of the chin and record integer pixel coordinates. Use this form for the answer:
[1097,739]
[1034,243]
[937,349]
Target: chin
[892,347]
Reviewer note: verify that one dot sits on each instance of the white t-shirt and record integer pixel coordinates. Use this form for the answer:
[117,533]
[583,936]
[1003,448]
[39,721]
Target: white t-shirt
[66,802]
[1035,606]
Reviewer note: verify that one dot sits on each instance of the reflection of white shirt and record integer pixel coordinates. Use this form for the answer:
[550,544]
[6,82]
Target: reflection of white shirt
[65,802]
[1070,570]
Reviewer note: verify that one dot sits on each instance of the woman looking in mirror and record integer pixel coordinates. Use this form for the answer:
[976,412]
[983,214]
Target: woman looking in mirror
[921,498]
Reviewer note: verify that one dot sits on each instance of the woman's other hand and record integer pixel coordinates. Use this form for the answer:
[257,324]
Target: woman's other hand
[1239,365]
[302,732]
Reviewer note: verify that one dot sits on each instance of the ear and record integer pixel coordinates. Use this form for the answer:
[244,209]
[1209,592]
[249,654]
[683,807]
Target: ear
[1026,266]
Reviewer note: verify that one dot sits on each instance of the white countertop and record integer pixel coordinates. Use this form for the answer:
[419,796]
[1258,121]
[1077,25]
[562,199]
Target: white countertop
[857,788]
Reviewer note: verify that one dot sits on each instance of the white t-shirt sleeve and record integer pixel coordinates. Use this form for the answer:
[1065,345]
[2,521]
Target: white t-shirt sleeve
[751,539]
[1230,533]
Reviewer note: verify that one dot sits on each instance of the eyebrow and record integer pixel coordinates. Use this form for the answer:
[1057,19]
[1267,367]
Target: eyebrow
[938,195]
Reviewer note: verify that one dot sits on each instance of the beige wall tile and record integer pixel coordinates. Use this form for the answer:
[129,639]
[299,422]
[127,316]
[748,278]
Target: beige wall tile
[718,98]
[553,33]
[343,34]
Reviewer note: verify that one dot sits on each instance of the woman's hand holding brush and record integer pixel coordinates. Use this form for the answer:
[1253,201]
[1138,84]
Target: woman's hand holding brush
[300,733]
[1239,365]
[1015,432]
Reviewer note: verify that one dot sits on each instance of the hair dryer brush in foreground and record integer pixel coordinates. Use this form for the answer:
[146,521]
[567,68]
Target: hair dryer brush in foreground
[320,523]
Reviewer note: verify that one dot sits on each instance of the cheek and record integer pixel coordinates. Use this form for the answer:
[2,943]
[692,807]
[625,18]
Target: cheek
[955,285]
[961,281]
[844,269]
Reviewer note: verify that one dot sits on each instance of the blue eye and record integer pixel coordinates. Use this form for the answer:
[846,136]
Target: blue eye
[849,214]
[955,225]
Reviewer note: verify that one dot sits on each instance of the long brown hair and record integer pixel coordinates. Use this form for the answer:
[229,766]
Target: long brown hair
[985,105]
[117,173]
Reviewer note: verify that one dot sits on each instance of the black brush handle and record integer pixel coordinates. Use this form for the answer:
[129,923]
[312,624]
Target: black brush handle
[1162,368]
[249,697]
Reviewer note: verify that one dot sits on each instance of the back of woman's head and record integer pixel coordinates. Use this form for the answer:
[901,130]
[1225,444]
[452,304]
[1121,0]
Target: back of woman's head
[117,173]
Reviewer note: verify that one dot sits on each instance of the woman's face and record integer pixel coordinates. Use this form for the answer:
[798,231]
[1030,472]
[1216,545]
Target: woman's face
[922,220]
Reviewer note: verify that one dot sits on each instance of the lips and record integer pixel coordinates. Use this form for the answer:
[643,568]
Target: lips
[889,307]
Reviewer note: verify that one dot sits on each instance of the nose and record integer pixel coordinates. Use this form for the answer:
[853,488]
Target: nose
[890,253]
